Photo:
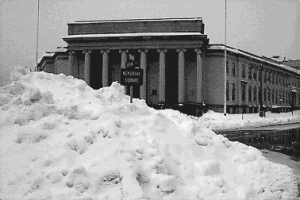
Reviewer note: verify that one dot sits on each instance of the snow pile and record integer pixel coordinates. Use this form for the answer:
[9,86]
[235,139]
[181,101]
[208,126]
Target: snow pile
[60,139]
[217,121]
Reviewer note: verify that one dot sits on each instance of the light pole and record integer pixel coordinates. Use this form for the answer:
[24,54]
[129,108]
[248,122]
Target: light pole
[37,34]
[261,112]
[225,58]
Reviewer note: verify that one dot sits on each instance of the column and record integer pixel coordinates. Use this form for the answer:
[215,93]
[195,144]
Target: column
[162,76]
[87,67]
[105,68]
[123,58]
[143,65]
[199,76]
[123,63]
[181,76]
[71,63]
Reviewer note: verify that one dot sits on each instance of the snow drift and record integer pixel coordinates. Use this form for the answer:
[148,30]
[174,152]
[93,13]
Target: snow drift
[60,139]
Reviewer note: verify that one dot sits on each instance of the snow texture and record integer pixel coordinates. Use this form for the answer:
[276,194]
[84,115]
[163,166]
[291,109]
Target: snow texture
[60,139]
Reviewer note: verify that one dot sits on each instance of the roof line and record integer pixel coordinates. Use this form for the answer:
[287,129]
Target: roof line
[138,19]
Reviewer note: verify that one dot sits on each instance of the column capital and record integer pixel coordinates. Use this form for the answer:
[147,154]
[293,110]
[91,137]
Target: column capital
[162,50]
[71,52]
[181,50]
[87,51]
[143,50]
[199,51]
[123,50]
[105,51]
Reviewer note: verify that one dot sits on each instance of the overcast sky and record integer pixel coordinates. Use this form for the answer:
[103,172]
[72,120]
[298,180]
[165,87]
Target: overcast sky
[262,27]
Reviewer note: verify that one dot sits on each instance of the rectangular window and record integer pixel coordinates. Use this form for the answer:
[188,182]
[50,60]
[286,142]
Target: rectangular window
[227,91]
[273,99]
[254,75]
[254,93]
[243,71]
[243,86]
[233,69]
[250,93]
[266,77]
[269,94]
[227,67]
[250,73]
[265,94]
[233,92]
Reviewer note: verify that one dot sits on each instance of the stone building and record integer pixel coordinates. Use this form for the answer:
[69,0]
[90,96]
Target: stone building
[181,69]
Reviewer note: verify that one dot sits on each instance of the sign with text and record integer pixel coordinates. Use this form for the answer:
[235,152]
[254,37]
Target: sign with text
[131,76]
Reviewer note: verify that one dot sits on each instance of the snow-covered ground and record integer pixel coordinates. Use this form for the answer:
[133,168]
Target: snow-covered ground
[216,121]
[60,139]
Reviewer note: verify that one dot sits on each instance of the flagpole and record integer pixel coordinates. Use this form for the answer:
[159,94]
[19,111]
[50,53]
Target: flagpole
[37,34]
[225,59]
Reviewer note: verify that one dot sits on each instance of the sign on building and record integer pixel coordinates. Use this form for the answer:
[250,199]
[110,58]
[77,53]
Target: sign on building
[130,76]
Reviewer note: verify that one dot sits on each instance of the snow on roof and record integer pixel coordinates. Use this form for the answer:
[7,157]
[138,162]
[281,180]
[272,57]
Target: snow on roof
[258,58]
[61,49]
[149,34]
[135,20]
[46,55]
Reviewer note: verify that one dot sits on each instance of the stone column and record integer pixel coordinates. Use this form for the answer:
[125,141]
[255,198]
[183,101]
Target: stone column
[162,76]
[181,76]
[199,76]
[143,65]
[87,67]
[105,68]
[123,58]
[71,62]
[123,63]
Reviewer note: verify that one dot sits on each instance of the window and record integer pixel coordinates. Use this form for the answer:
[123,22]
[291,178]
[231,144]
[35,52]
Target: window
[273,99]
[265,94]
[254,93]
[254,75]
[243,71]
[243,91]
[227,91]
[259,94]
[269,94]
[233,92]
[266,77]
[250,73]
[233,69]
[227,67]
[250,93]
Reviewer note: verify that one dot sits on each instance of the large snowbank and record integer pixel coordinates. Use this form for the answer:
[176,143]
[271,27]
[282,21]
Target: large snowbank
[60,139]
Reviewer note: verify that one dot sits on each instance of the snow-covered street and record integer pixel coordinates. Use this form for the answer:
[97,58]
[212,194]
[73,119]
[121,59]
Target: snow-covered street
[60,139]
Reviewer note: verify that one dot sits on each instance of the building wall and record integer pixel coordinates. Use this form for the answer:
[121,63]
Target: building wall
[61,64]
[190,76]
[213,81]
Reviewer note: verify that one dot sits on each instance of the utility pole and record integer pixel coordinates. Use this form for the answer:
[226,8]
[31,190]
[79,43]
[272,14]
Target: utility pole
[261,111]
[37,34]
[225,59]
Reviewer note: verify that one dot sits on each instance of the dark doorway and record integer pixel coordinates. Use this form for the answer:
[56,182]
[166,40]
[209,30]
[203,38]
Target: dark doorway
[96,70]
[171,77]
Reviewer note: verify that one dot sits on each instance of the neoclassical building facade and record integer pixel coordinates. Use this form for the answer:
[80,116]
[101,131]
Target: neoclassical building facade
[181,69]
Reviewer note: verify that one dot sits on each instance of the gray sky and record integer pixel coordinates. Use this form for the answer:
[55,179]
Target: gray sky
[262,27]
